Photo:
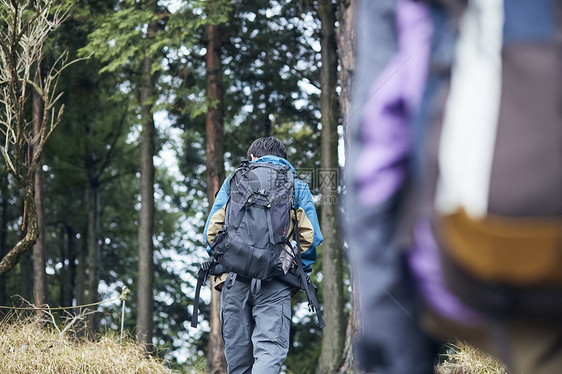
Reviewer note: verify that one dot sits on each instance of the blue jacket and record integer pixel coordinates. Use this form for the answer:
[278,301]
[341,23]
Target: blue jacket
[309,228]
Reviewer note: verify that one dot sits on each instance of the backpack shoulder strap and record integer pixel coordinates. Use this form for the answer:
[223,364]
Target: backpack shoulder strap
[306,283]
[201,277]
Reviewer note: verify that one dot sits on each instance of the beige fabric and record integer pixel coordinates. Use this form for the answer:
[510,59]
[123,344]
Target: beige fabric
[219,281]
[215,224]
[306,230]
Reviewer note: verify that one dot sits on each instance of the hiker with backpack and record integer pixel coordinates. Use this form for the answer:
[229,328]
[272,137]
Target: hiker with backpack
[262,233]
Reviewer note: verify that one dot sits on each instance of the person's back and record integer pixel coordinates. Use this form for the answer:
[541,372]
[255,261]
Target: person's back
[255,302]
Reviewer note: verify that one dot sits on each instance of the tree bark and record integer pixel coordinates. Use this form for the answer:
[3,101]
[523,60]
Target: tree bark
[216,363]
[349,364]
[3,230]
[16,67]
[11,258]
[81,274]
[346,52]
[332,270]
[267,125]
[145,302]
[67,260]
[26,280]
[93,244]
[39,261]
[25,244]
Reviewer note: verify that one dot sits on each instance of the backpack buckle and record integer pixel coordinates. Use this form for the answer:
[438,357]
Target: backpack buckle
[311,307]
[207,265]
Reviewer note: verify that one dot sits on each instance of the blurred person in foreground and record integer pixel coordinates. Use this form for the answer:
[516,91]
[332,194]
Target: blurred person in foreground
[454,177]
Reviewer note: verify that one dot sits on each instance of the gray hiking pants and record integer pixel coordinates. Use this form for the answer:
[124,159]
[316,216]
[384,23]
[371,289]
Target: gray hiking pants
[255,326]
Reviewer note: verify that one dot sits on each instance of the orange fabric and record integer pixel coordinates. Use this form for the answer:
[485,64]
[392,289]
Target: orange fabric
[517,251]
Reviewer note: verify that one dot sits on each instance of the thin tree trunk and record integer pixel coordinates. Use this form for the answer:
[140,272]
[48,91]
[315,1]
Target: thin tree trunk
[146,230]
[72,268]
[3,231]
[267,126]
[30,227]
[81,273]
[145,302]
[93,245]
[349,364]
[216,363]
[26,280]
[346,53]
[267,121]
[39,261]
[25,244]
[332,269]
[66,279]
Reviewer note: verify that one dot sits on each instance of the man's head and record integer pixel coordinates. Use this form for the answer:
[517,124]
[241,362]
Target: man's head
[267,146]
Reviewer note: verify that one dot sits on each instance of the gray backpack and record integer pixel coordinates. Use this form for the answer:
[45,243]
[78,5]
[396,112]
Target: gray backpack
[257,222]
[255,239]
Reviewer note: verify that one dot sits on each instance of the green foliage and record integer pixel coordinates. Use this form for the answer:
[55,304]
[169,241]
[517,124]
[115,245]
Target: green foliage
[270,80]
[119,38]
[267,61]
[305,341]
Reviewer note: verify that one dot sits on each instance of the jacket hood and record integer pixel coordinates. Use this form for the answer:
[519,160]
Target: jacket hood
[275,160]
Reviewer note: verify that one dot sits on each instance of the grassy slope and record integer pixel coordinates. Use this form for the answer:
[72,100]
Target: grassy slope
[465,359]
[28,345]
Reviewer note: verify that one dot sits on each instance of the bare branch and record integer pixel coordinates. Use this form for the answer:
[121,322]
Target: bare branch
[21,53]
[8,160]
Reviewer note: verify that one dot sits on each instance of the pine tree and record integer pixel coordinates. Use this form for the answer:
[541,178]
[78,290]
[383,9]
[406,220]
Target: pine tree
[346,53]
[332,261]
[214,125]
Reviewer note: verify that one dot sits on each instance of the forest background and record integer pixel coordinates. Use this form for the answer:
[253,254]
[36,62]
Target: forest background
[162,102]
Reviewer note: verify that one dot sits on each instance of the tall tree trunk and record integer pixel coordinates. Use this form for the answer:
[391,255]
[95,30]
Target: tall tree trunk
[39,261]
[67,260]
[29,226]
[93,244]
[21,248]
[26,280]
[267,121]
[346,53]
[145,302]
[332,269]
[267,126]
[216,363]
[81,273]
[3,231]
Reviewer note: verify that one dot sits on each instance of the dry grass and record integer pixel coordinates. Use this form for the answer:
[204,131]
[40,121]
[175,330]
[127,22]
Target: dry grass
[465,359]
[29,345]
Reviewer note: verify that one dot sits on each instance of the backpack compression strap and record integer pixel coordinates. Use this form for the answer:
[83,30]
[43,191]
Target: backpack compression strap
[201,276]
[306,283]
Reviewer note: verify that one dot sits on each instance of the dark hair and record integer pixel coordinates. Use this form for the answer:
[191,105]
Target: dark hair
[267,146]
